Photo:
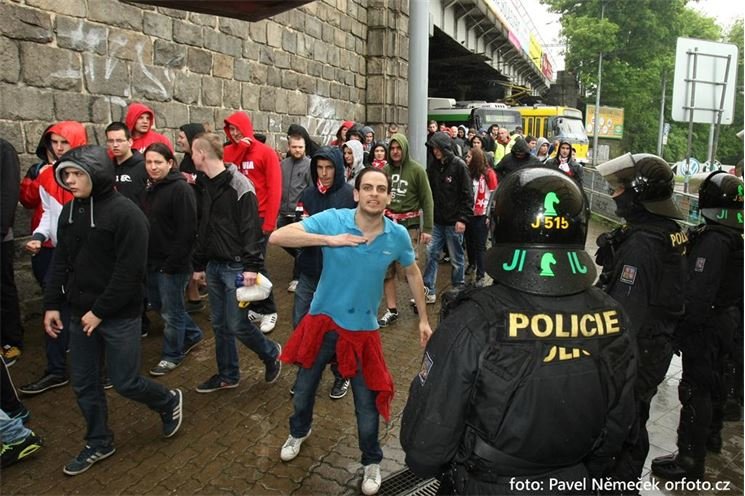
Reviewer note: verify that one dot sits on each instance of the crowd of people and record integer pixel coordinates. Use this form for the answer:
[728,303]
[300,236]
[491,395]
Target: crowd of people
[127,229]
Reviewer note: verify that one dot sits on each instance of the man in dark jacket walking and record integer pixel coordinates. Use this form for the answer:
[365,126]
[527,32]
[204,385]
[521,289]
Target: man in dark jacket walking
[453,201]
[10,314]
[229,249]
[172,210]
[519,157]
[295,178]
[99,269]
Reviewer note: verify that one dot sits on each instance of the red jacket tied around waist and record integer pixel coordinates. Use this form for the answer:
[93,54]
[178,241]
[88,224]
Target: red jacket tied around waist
[352,347]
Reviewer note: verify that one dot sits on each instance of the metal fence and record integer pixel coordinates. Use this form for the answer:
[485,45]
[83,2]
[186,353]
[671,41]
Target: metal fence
[602,204]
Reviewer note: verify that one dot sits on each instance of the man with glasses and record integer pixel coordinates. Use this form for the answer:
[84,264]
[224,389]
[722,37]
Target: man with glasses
[130,173]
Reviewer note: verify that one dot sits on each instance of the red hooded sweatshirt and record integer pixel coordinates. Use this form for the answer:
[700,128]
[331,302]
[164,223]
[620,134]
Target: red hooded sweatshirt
[134,112]
[259,164]
[53,194]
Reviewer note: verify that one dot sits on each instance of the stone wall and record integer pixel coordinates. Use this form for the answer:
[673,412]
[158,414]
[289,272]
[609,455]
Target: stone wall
[86,60]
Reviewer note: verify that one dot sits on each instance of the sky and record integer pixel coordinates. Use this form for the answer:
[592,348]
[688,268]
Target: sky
[724,11]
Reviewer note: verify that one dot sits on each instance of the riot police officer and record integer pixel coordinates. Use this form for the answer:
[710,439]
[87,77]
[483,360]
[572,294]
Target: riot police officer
[705,335]
[531,378]
[643,266]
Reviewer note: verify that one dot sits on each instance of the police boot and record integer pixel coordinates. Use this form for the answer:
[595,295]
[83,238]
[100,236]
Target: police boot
[689,461]
[732,411]
[714,442]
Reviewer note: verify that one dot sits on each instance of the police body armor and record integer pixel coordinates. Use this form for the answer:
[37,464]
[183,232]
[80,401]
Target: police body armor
[730,293]
[666,299]
[551,372]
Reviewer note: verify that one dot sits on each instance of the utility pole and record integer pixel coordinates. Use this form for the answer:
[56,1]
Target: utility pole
[596,123]
[662,115]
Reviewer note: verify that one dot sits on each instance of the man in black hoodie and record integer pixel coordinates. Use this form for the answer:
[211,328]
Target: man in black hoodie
[130,177]
[186,134]
[10,314]
[518,158]
[129,173]
[453,200]
[99,269]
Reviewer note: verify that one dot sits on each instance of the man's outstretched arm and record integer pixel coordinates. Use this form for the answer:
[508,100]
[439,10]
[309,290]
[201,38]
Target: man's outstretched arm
[295,236]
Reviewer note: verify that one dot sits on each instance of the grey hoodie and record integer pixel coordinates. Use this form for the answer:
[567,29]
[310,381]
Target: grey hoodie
[295,178]
[358,164]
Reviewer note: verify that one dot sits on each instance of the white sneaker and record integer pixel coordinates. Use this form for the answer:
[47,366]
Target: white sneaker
[291,448]
[293,286]
[371,479]
[429,298]
[268,322]
[254,317]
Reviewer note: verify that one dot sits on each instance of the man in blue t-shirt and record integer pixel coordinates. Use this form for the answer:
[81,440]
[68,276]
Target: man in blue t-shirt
[358,246]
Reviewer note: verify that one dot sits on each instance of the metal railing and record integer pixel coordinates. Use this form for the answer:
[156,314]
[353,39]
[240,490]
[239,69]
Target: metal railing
[602,205]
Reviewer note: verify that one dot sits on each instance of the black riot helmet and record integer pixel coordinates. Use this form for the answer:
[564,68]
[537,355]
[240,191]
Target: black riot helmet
[720,199]
[539,227]
[649,177]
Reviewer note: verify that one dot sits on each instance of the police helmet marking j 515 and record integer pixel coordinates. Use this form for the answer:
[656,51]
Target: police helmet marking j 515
[539,228]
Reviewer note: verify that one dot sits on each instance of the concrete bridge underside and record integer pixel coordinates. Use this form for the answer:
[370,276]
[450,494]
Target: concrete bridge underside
[472,58]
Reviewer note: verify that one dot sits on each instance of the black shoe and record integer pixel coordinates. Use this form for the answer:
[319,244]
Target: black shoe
[675,467]
[106,382]
[190,345]
[273,369]
[87,458]
[173,416]
[732,411]
[214,383]
[47,382]
[339,389]
[20,450]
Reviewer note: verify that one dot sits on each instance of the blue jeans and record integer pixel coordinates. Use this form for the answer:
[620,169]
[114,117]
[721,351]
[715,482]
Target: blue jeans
[120,338]
[282,221]
[476,233]
[442,235]
[229,322]
[306,288]
[166,294]
[306,386]
[266,306]
[56,347]
[12,430]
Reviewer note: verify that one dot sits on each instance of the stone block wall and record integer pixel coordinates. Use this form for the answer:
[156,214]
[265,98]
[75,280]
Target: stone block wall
[86,60]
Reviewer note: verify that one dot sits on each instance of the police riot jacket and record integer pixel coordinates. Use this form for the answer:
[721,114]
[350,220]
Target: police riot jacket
[516,384]
[644,270]
[715,268]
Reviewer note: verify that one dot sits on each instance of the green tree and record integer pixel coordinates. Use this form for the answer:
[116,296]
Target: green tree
[638,39]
